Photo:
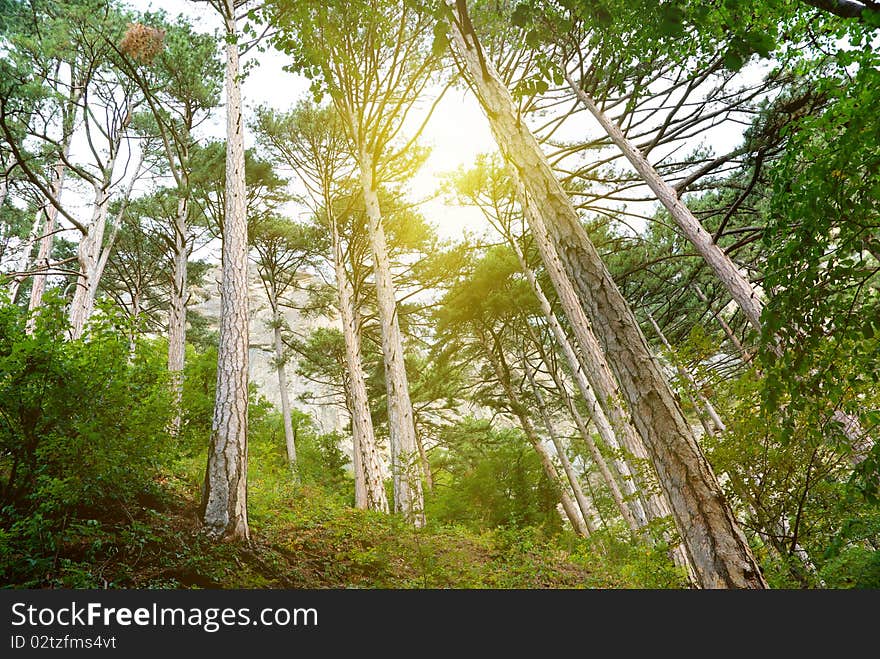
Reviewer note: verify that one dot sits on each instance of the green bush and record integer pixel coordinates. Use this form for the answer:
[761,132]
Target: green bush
[82,427]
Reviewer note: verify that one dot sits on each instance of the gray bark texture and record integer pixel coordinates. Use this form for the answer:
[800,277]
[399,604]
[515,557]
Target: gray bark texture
[44,251]
[225,493]
[280,363]
[367,462]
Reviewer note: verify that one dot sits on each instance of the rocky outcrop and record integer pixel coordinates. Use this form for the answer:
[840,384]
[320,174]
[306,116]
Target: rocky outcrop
[205,300]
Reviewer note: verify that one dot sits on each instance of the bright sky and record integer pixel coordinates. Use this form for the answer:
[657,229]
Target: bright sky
[456,133]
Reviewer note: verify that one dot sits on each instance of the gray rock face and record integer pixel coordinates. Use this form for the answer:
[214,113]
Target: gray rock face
[205,300]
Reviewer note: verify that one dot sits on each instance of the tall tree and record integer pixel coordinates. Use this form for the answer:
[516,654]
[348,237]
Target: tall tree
[716,546]
[312,142]
[181,84]
[283,249]
[374,95]
[224,499]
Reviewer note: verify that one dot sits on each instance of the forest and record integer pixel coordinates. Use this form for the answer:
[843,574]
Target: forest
[269,336]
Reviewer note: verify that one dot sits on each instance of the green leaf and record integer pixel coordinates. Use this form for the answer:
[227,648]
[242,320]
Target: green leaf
[533,39]
[733,61]
[521,15]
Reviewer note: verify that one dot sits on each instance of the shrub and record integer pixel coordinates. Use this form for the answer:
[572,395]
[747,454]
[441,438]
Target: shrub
[82,425]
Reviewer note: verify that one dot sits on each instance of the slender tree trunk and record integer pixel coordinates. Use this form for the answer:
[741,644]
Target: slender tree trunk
[280,363]
[702,404]
[634,523]
[135,320]
[44,251]
[88,254]
[733,279]
[93,254]
[578,523]
[589,364]
[408,497]
[360,481]
[588,511]
[634,514]
[224,502]
[716,546]
[22,263]
[177,310]
[367,459]
[594,369]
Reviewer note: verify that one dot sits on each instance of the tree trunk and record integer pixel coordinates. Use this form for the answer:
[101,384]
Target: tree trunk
[596,371]
[633,522]
[357,467]
[633,512]
[736,283]
[93,254]
[733,279]
[88,255]
[22,263]
[224,502]
[702,405]
[588,511]
[44,252]
[280,362]
[578,523]
[716,546]
[135,318]
[367,459]
[177,310]
[408,497]
[592,368]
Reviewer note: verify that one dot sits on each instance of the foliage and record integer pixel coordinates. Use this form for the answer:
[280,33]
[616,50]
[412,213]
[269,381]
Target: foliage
[489,478]
[83,427]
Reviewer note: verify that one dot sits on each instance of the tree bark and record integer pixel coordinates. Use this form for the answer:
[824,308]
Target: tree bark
[736,283]
[224,502]
[357,467]
[88,253]
[578,523]
[177,310]
[703,405]
[366,455]
[280,362]
[588,511]
[92,253]
[716,546]
[408,497]
[633,512]
[44,251]
[844,8]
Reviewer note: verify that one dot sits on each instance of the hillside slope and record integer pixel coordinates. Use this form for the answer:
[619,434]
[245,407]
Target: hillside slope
[308,541]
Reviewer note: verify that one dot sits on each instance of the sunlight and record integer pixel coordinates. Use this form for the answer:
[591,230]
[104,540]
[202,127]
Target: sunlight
[457,133]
